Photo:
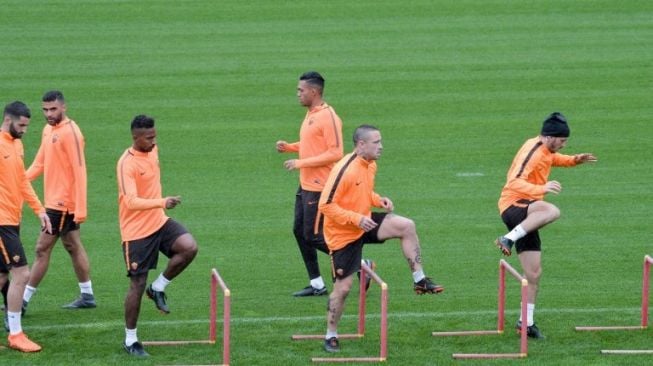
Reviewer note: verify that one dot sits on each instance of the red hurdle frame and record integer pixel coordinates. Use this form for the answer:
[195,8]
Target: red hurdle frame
[645,297]
[646,277]
[216,280]
[383,353]
[523,345]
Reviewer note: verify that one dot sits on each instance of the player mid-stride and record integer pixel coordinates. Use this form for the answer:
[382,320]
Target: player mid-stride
[522,204]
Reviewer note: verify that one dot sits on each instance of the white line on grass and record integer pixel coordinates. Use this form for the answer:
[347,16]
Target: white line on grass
[288,319]
[470,174]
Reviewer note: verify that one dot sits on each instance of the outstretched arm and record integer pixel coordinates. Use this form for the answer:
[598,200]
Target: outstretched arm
[585,158]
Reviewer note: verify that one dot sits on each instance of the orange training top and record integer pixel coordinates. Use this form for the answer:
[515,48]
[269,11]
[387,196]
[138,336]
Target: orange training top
[348,196]
[529,173]
[319,146]
[140,205]
[61,161]
[14,185]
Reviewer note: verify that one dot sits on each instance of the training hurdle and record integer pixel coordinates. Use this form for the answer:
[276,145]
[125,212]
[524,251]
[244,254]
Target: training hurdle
[523,345]
[645,297]
[383,353]
[646,277]
[216,280]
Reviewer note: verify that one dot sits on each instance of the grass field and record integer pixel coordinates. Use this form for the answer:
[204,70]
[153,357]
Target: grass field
[455,86]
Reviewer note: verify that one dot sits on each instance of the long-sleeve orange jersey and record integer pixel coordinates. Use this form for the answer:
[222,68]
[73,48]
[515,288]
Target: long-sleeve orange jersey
[140,205]
[61,161]
[319,146]
[529,173]
[348,196]
[15,188]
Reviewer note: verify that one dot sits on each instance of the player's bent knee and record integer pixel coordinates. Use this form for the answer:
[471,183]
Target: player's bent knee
[191,251]
[552,211]
[185,244]
[192,245]
[395,226]
[406,226]
[409,225]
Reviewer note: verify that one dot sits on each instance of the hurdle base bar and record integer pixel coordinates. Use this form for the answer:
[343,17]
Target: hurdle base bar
[620,327]
[627,352]
[646,277]
[216,281]
[176,343]
[523,343]
[301,337]
[458,356]
[349,359]
[365,271]
[467,333]
[222,364]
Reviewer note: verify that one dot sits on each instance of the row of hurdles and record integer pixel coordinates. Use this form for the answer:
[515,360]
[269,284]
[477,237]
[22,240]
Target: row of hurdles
[218,283]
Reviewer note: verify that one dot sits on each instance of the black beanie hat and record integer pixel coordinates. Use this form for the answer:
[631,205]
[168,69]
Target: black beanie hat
[555,125]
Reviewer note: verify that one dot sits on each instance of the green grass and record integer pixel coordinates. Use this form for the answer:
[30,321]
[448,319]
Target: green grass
[455,86]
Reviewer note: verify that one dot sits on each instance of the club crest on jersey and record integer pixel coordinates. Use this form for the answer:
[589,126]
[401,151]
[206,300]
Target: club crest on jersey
[55,138]
[310,121]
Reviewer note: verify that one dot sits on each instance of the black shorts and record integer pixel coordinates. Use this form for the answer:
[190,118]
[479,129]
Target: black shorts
[513,216]
[62,221]
[347,261]
[306,216]
[12,253]
[143,254]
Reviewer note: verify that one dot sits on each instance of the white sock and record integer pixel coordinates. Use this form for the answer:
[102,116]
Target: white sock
[317,283]
[517,233]
[29,291]
[418,276]
[130,337]
[530,309]
[331,334]
[14,323]
[85,287]
[160,283]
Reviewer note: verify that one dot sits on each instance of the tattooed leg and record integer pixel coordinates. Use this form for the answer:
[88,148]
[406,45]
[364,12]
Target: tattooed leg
[336,302]
[415,260]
